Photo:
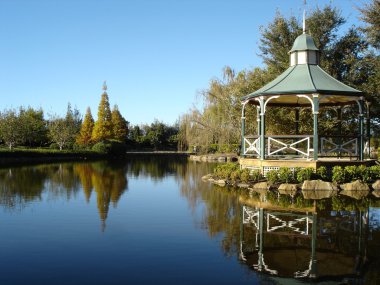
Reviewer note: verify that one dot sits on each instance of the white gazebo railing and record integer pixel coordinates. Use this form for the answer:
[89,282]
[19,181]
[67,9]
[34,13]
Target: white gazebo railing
[295,146]
[252,145]
[339,146]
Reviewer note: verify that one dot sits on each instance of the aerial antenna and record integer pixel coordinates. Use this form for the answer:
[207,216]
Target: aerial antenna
[104,85]
[304,17]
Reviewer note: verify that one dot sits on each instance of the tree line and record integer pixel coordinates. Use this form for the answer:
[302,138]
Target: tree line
[351,56]
[28,127]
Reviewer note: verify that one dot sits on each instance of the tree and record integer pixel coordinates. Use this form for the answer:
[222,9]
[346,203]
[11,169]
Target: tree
[103,126]
[119,124]
[34,126]
[59,131]
[371,16]
[10,128]
[85,134]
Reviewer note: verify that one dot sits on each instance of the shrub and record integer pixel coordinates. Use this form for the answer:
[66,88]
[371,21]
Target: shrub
[54,146]
[375,172]
[213,148]
[285,174]
[305,174]
[225,170]
[111,147]
[351,173]
[272,176]
[322,173]
[256,175]
[338,174]
[364,173]
[245,175]
[235,175]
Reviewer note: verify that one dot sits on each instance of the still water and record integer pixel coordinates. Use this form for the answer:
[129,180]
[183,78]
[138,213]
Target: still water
[154,221]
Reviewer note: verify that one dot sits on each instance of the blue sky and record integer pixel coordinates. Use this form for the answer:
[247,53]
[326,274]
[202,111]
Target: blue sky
[156,55]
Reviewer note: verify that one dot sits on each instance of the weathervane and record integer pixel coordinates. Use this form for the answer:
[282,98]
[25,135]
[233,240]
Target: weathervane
[304,18]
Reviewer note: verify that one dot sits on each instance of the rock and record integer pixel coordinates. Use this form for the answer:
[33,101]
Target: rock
[261,185]
[356,189]
[220,182]
[288,189]
[206,177]
[318,189]
[376,193]
[376,185]
[222,159]
[243,185]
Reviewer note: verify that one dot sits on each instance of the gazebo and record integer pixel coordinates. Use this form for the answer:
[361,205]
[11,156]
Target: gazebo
[303,85]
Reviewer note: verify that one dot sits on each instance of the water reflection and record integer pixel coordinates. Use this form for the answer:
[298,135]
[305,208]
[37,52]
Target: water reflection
[275,237]
[302,239]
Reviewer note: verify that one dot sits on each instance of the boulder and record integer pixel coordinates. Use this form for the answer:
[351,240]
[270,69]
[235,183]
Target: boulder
[356,189]
[376,185]
[220,182]
[242,185]
[288,189]
[261,185]
[222,159]
[206,177]
[318,189]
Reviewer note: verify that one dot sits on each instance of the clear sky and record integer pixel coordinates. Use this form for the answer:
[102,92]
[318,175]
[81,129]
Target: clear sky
[156,55]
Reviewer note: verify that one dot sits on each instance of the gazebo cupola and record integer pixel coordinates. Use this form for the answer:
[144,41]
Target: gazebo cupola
[304,51]
[303,85]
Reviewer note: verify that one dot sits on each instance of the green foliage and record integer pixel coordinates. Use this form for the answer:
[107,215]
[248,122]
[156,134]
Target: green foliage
[364,173]
[338,174]
[256,175]
[285,175]
[111,147]
[305,174]
[322,173]
[225,170]
[375,172]
[245,175]
[272,176]
[10,128]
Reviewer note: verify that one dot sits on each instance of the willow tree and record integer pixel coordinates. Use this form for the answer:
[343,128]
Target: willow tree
[103,125]
[85,134]
[119,124]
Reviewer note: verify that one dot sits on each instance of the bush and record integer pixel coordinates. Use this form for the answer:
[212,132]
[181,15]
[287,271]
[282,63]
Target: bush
[375,172]
[305,174]
[338,174]
[245,175]
[256,175]
[322,173]
[225,170]
[213,148]
[111,147]
[285,174]
[54,146]
[272,176]
[351,173]
[235,174]
[364,173]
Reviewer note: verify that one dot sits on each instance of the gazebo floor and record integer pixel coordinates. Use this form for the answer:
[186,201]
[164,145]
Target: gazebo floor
[274,164]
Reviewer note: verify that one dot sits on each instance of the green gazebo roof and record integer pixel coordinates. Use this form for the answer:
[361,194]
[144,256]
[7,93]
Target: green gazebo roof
[306,79]
[303,42]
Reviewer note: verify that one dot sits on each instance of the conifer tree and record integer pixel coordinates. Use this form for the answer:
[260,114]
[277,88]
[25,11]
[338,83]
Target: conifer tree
[120,125]
[84,137]
[103,126]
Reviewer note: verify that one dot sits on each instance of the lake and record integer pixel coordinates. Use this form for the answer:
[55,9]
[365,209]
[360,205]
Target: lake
[154,221]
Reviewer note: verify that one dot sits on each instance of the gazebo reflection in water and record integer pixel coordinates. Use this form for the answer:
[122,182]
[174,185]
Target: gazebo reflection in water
[304,245]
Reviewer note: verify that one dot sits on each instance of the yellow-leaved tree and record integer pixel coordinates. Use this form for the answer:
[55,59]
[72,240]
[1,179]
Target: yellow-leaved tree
[85,134]
[119,124]
[103,125]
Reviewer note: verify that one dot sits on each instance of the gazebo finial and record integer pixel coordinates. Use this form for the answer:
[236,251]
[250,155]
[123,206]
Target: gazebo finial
[304,18]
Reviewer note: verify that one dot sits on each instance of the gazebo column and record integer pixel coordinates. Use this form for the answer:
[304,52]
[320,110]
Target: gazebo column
[262,128]
[242,149]
[361,128]
[315,126]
